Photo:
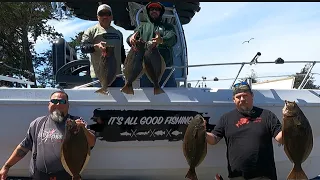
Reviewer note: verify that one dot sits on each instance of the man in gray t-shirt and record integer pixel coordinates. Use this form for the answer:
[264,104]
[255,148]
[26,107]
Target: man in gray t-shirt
[44,138]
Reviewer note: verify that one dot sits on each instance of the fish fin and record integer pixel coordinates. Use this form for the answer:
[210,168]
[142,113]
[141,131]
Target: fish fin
[102,91]
[158,90]
[78,177]
[164,66]
[191,174]
[86,161]
[141,73]
[64,163]
[128,89]
[297,173]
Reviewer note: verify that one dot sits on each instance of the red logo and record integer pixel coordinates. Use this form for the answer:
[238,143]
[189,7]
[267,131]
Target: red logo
[257,120]
[242,121]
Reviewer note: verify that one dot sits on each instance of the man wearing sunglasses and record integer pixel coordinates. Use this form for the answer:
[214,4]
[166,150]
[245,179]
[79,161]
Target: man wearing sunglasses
[95,38]
[248,131]
[44,139]
[167,39]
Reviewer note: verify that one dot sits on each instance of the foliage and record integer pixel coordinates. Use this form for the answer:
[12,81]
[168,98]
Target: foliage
[22,24]
[75,43]
[299,78]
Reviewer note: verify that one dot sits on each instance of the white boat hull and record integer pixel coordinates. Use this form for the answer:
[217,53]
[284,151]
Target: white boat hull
[150,159]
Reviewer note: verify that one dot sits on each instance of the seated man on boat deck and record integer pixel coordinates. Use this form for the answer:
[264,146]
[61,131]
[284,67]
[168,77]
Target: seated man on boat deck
[94,39]
[168,39]
[248,131]
[44,138]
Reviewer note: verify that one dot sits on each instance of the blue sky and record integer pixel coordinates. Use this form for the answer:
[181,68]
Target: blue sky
[215,34]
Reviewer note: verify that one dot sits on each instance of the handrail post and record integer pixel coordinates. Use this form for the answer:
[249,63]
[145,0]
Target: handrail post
[237,75]
[305,78]
[170,74]
[183,45]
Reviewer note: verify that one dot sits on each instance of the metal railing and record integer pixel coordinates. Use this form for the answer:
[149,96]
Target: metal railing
[227,64]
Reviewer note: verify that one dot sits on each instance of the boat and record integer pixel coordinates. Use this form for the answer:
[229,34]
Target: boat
[140,136]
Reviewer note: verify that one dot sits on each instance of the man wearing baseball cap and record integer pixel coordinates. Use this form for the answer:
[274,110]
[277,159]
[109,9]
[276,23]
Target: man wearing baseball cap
[96,37]
[248,131]
[147,31]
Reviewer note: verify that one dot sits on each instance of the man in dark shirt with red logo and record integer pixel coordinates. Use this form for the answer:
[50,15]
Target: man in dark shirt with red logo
[248,132]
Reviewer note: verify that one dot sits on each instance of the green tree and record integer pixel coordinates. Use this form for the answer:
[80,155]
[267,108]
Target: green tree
[75,43]
[44,69]
[22,23]
[299,78]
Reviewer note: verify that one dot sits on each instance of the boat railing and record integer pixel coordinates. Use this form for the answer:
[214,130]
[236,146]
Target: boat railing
[277,61]
[15,80]
[173,68]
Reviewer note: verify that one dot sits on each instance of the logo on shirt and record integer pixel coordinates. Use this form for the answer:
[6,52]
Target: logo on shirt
[50,135]
[111,36]
[257,120]
[242,121]
[246,120]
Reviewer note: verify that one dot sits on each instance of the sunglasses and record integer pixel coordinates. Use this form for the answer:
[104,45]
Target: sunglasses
[60,101]
[244,83]
[154,9]
[104,13]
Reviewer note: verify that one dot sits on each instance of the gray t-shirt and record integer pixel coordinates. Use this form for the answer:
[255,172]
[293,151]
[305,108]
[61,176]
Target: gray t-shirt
[49,141]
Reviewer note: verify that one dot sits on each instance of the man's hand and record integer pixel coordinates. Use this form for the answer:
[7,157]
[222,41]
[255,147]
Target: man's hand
[4,172]
[133,41]
[158,39]
[101,46]
[80,123]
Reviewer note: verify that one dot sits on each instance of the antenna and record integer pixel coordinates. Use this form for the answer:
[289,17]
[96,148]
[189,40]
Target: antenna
[204,81]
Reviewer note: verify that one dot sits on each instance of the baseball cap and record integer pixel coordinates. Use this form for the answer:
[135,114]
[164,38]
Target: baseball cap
[154,5]
[104,7]
[241,87]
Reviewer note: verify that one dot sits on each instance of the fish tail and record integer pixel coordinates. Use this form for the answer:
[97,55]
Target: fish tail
[297,173]
[218,177]
[158,90]
[128,89]
[191,174]
[77,177]
[102,91]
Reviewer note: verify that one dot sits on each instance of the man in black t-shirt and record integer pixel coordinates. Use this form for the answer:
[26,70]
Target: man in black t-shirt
[248,133]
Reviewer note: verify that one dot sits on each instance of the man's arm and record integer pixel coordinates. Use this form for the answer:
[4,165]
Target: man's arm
[169,37]
[275,128]
[123,51]
[218,132]
[23,148]
[89,134]
[278,138]
[16,156]
[212,139]
[90,137]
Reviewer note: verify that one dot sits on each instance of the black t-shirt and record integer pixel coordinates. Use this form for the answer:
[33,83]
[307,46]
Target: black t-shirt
[249,142]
